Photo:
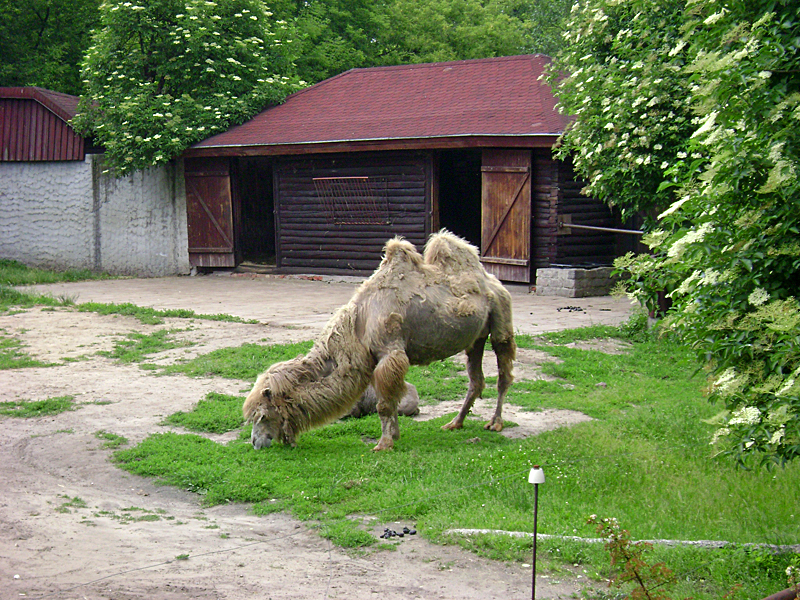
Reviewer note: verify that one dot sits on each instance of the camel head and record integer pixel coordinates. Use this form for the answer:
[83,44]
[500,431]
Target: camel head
[266,411]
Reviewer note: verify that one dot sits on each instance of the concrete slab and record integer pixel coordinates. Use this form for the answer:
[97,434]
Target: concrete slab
[300,301]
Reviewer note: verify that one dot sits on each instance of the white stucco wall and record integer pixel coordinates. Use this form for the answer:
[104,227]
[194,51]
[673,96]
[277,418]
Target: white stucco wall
[71,215]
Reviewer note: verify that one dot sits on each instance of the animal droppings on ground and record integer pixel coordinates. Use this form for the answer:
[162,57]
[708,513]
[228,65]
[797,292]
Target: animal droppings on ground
[390,533]
[570,309]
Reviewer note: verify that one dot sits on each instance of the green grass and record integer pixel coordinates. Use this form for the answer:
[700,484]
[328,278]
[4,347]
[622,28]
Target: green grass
[644,459]
[244,362]
[111,441]
[15,273]
[136,347]
[217,413]
[152,316]
[29,409]
[12,357]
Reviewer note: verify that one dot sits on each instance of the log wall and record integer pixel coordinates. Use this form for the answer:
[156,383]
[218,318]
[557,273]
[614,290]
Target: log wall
[309,240]
[581,247]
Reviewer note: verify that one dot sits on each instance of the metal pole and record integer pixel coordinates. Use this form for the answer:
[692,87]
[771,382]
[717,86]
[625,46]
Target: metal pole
[536,477]
[535,529]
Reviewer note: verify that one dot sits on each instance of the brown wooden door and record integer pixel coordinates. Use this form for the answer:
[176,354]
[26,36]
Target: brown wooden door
[209,212]
[506,214]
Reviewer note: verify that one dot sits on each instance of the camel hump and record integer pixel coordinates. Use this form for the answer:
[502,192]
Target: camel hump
[397,250]
[448,250]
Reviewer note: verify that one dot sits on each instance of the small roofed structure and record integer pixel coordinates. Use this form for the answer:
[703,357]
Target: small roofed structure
[319,183]
[62,210]
[34,126]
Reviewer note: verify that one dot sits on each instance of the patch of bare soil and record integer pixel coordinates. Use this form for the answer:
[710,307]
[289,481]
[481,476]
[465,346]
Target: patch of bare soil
[74,526]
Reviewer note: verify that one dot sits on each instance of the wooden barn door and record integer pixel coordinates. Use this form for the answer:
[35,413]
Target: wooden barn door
[506,214]
[209,212]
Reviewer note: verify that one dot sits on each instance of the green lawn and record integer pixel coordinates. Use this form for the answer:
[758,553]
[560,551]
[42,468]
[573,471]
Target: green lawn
[643,459]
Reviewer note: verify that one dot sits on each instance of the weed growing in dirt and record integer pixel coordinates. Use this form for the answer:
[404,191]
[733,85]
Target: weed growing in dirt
[644,458]
[71,503]
[11,356]
[28,409]
[137,346]
[112,441]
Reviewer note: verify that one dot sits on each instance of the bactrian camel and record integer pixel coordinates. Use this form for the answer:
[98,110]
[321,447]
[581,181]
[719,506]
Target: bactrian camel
[415,309]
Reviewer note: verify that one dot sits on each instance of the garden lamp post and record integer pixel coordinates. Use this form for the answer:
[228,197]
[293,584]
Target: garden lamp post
[535,477]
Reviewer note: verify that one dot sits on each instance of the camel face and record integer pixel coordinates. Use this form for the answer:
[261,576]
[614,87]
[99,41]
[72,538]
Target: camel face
[264,431]
[260,409]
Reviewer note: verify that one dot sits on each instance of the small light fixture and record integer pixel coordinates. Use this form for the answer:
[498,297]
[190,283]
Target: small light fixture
[535,477]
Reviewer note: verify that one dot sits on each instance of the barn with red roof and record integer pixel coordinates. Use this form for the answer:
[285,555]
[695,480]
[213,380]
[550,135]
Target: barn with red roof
[320,182]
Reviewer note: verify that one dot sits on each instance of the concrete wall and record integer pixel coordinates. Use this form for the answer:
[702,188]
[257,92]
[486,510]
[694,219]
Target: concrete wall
[71,215]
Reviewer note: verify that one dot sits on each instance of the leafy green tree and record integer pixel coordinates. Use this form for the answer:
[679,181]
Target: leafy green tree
[727,245]
[441,30]
[336,35]
[733,237]
[42,42]
[163,74]
[620,76]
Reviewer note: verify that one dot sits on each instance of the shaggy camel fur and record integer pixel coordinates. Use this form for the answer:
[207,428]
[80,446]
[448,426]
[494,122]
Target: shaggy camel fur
[415,309]
[368,403]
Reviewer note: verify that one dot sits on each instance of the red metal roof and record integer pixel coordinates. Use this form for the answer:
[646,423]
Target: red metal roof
[63,105]
[34,125]
[484,98]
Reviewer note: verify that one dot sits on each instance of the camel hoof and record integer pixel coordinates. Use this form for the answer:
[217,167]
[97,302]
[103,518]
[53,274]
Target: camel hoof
[381,446]
[494,425]
[452,425]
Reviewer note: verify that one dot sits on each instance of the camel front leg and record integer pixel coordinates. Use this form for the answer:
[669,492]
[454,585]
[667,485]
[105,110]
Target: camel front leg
[389,380]
[476,384]
[506,352]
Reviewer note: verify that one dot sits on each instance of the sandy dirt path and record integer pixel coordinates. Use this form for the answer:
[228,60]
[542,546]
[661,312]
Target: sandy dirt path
[72,525]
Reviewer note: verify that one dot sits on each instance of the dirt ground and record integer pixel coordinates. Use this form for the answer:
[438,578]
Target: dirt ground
[74,526]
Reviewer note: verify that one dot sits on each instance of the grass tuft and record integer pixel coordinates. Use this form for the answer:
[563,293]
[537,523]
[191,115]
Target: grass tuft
[30,409]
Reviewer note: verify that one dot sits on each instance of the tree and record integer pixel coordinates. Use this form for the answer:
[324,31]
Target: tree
[733,237]
[163,74]
[336,35]
[42,42]
[440,30]
[727,248]
[620,76]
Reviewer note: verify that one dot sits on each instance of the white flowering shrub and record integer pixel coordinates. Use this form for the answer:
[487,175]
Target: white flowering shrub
[163,74]
[619,75]
[727,247]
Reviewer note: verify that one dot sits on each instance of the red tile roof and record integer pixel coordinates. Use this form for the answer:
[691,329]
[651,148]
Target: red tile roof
[434,101]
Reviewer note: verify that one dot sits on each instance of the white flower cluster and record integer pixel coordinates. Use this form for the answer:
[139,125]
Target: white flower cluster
[692,237]
[746,415]
[758,297]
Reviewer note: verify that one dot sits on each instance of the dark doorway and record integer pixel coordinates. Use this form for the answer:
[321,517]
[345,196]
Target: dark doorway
[460,193]
[255,232]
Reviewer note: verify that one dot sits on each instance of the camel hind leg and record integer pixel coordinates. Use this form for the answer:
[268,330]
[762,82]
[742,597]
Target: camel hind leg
[505,348]
[476,384]
[506,352]
[389,380]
